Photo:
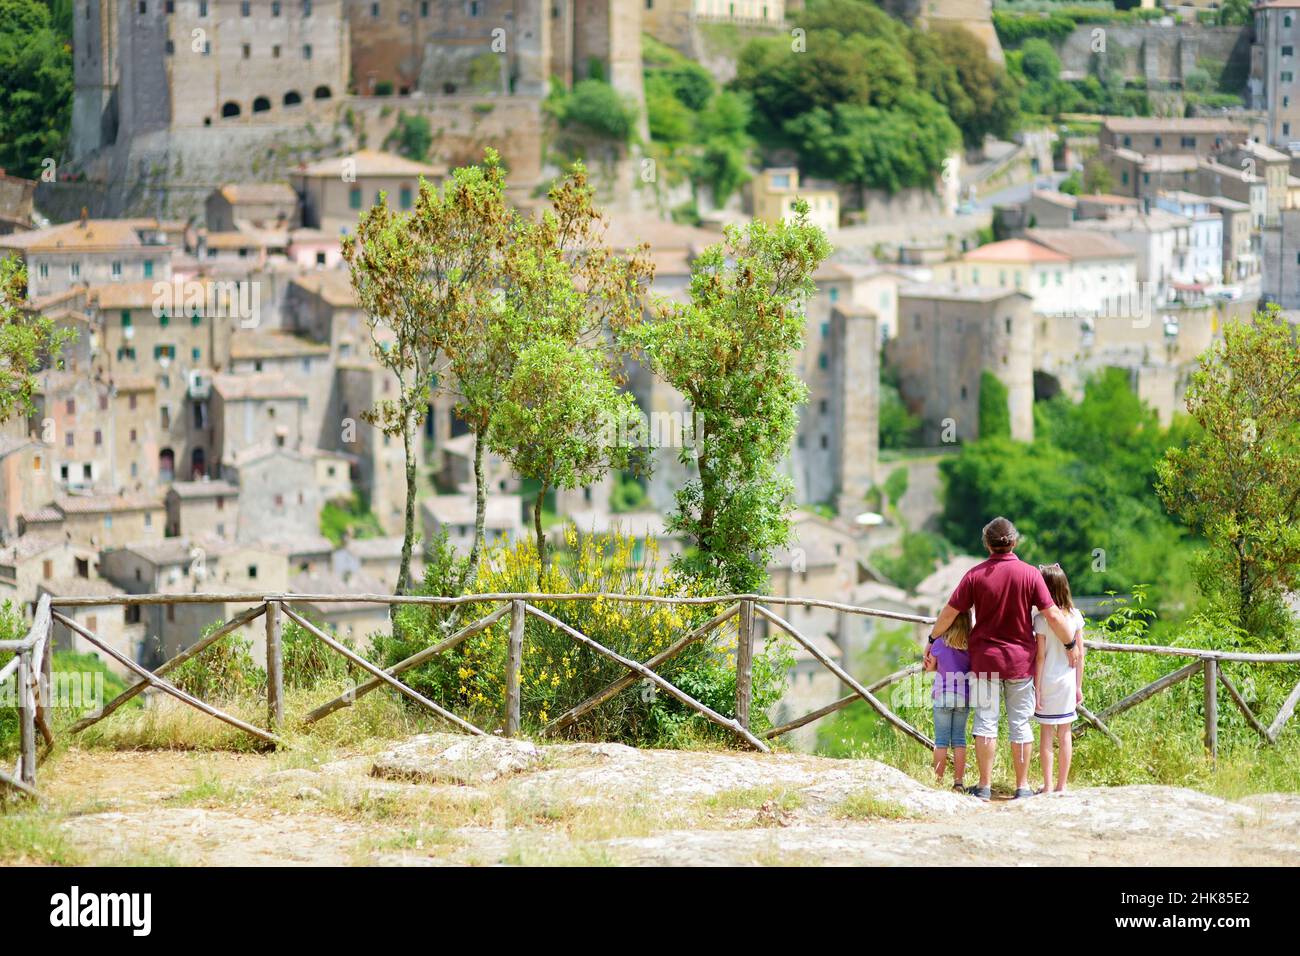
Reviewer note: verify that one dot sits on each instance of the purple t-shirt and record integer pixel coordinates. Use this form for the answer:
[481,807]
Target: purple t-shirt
[951,674]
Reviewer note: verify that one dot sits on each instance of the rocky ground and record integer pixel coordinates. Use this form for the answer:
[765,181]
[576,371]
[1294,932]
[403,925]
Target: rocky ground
[448,799]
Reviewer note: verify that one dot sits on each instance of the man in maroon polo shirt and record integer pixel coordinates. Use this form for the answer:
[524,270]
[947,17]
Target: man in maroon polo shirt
[1004,591]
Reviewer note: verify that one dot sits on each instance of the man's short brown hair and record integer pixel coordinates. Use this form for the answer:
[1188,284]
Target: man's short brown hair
[1000,536]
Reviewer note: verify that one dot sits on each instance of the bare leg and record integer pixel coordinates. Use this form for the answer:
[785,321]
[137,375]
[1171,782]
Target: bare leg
[986,751]
[959,764]
[1020,756]
[940,762]
[1066,742]
[1045,755]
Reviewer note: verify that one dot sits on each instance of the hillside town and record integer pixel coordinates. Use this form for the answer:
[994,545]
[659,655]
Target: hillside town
[207,431]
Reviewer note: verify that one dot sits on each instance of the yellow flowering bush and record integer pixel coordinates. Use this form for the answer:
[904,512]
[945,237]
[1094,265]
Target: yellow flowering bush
[559,672]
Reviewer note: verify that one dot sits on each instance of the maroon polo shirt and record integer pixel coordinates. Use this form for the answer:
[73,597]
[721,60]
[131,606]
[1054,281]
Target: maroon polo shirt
[1003,591]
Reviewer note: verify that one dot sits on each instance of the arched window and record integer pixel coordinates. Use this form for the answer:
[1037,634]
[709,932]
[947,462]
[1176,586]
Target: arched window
[198,464]
[261,104]
[229,109]
[322,93]
[166,465]
[292,98]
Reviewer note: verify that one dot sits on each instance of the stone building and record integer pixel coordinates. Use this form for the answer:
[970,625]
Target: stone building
[852,311]
[98,521]
[1281,261]
[259,409]
[173,339]
[26,479]
[1193,136]
[174,95]
[278,494]
[774,191]
[1240,248]
[37,560]
[1273,72]
[335,192]
[204,508]
[90,252]
[102,433]
[948,337]
[256,204]
[15,203]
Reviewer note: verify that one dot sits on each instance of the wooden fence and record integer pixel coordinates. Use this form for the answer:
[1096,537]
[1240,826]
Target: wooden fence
[31,665]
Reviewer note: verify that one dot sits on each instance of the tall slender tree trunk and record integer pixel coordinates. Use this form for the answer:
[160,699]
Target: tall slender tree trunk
[541,537]
[408,527]
[480,513]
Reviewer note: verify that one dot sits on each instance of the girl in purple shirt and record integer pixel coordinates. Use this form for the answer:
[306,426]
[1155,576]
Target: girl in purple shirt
[949,658]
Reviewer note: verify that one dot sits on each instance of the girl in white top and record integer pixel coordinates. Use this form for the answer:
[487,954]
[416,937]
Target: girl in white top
[1058,687]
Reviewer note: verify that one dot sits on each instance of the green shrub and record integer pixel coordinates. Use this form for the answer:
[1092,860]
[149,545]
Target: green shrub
[559,672]
[597,107]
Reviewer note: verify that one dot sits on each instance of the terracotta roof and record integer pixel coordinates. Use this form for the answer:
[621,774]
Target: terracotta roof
[96,234]
[255,385]
[29,546]
[1150,124]
[79,587]
[274,345]
[1107,199]
[1014,250]
[371,162]
[949,292]
[503,510]
[203,489]
[1080,245]
[125,295]
[331,286]
[376,548]
[236,193]
[100,504]
[1057,199]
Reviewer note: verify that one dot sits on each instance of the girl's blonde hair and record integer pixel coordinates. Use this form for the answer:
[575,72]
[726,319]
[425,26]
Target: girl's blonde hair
[958,634]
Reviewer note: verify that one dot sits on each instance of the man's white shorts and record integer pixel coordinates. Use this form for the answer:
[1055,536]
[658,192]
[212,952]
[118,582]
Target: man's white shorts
[1019,695]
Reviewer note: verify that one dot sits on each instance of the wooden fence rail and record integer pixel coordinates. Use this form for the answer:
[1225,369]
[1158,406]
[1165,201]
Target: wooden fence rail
[31,665]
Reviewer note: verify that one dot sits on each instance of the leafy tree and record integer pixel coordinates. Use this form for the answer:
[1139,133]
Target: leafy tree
[419,275]
[1234,13]
[36,92]
[729,351]
[28,342]
[1097,178]
[896,485]
[559,418]
[479,348]
[898,427]
[1238,482]
[1082,492]
[872,148]
[669,119]
[559,421]
[597,107]
[995,415]
[979,94]
[412,135]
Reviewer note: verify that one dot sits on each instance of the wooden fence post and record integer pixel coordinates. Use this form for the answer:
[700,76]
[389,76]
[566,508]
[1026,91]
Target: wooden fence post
[744,663]
[274,666]
[26,718]
[514,664]
[1212,707]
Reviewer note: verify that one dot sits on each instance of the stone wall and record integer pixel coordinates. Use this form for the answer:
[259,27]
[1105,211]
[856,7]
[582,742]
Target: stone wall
[1157,54]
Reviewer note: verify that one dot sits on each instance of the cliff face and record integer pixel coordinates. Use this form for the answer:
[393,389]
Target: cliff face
[973,15]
